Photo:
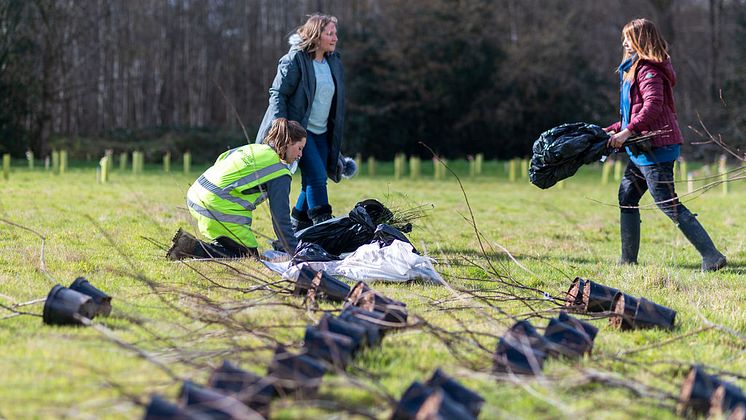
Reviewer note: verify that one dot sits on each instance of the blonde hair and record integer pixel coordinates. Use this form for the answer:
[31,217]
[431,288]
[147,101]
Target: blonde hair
[646,41]
[283,133]
[310,32]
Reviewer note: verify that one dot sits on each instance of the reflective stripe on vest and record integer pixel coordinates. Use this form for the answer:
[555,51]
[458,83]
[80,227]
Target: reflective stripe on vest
[263,196]
[209,186]
[254,176]
[220,217]
[257,165]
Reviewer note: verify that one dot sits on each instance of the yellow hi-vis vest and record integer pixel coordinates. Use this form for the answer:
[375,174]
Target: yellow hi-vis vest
[223,198]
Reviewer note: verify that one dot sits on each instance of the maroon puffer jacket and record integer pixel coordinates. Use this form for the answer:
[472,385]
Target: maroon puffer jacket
[651,102]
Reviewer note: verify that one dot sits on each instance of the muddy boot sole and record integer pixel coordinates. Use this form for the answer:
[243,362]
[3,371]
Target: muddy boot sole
[183,246]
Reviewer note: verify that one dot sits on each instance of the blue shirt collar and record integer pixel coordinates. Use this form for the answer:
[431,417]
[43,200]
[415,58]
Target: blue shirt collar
[627,64]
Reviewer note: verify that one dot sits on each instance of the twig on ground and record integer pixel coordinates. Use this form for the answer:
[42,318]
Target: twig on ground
[42,261]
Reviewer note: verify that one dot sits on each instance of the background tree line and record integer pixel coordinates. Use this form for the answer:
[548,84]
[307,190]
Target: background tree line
[464,76]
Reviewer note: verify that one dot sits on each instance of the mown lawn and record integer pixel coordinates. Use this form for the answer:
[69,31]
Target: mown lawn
[191,316]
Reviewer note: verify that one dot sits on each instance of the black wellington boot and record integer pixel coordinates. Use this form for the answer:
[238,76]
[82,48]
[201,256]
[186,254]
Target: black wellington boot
[630,232]
[712,259]
[299,220]
[320,213]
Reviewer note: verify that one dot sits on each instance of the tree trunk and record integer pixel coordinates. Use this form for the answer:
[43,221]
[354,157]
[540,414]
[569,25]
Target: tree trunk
[716,11]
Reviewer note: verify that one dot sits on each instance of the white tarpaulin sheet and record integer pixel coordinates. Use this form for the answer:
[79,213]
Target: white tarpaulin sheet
[394,263]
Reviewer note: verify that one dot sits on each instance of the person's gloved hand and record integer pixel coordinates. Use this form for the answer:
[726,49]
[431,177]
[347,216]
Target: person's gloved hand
[346,167]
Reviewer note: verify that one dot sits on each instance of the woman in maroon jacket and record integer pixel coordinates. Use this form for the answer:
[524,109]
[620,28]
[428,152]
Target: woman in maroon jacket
[646,104]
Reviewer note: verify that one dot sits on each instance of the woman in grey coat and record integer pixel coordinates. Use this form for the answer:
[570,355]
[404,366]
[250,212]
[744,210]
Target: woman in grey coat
[309,88]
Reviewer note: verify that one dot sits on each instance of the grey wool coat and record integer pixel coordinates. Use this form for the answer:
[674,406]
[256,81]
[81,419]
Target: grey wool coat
[292,93]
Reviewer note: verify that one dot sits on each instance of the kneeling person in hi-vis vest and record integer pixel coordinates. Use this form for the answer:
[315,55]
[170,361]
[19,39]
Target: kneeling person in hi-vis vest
[223,198]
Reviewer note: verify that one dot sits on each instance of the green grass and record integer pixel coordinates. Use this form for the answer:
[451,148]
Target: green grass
[102,232]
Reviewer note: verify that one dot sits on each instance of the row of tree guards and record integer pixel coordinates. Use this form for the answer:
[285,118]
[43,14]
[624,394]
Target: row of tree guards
[403,167]
[138,164]
[57,162]
[412,166]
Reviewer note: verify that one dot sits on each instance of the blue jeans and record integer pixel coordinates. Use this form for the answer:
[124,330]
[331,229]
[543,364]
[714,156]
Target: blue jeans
[658,179]
[313,173]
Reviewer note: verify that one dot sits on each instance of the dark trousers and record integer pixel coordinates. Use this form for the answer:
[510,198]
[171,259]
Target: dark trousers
[223,247]
[313,173]
[658,179]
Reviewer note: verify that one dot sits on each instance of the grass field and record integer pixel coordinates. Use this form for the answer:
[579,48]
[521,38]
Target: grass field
[191,316]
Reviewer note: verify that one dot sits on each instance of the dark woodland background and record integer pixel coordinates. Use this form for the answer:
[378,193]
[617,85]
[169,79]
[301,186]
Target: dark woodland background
[465,76]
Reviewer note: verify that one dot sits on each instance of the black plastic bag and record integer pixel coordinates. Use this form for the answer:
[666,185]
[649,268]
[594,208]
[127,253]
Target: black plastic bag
[386,234]
[376,210]
[342,234]
[559,153]
[366,223]
[308,251]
